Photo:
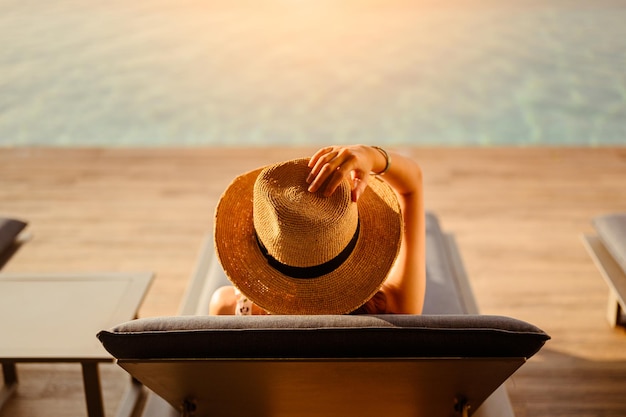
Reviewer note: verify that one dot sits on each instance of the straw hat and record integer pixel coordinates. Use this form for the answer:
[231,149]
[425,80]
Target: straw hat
[291,251]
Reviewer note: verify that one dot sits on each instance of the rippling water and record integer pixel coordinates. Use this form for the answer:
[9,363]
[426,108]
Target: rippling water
[184,72]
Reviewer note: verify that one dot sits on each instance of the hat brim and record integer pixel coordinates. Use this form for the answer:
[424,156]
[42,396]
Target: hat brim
[339,292]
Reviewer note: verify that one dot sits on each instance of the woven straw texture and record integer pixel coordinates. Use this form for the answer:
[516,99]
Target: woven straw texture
[300,228]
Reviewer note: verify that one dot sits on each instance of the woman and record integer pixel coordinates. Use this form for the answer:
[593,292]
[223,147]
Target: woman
[391,269]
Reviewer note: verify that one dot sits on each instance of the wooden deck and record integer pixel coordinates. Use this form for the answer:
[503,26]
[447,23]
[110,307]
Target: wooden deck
[517,214]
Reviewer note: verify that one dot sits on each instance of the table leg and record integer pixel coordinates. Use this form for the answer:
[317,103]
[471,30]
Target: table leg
[9,372]
[614,312]
[93,392]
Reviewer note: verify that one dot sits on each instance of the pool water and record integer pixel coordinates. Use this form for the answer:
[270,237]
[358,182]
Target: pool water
[297,72]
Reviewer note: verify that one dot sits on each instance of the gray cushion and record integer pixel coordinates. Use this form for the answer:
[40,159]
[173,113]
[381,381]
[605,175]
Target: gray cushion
[442,292]
[611,230]
[323,336]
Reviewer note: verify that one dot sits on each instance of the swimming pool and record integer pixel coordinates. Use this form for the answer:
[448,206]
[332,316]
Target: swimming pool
[296,72]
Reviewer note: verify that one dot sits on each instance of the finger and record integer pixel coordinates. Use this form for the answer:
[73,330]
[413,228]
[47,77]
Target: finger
[320,161]
[323,170]
[338,175]
[359,187]
[318,154]
[325,167]
[332,182]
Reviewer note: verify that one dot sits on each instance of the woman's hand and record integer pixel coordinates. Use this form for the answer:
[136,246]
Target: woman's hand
[331,165]
[405,285]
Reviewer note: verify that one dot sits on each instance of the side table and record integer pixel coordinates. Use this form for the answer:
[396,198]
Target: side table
[55,318]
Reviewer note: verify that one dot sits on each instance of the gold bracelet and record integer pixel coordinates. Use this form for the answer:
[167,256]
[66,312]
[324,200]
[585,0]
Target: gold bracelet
[387,159]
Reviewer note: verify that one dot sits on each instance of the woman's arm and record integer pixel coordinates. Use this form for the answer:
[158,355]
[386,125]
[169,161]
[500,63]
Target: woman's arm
[405,286]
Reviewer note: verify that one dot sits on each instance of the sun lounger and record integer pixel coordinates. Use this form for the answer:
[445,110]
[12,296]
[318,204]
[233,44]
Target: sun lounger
[448,361]
[608,250]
